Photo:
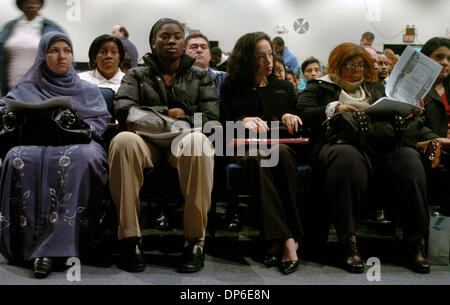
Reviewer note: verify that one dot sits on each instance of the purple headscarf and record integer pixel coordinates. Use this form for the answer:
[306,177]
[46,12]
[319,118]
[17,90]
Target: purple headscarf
[40,83]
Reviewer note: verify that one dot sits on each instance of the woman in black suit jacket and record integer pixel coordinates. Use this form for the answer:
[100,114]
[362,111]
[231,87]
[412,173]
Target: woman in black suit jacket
[251,95]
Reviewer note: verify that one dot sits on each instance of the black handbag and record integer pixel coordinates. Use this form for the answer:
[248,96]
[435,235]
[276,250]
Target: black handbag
[52,122]
[381,136]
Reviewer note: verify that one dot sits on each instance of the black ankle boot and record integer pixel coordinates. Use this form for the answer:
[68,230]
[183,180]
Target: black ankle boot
[418,261]
[351,258]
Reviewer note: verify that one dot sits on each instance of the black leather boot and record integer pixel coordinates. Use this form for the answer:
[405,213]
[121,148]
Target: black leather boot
[351,258]
[418,261]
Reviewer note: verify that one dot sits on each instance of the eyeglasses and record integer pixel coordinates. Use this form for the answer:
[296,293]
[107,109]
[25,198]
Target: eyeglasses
[351,65]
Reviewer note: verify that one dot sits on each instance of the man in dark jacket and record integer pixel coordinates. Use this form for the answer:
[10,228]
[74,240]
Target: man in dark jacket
[171,85]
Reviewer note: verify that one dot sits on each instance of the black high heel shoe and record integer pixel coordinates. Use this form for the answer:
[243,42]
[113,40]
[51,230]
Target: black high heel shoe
[289,266]
[42,267]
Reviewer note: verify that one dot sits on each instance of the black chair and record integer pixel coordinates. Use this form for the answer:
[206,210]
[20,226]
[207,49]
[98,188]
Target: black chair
[438,182]
[162,187]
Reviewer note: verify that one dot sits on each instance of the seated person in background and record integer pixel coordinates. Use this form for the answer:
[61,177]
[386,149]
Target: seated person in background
[48,194]
[344,170]
[253,95]
[279,69]
[105,54]
[289,58]
[437,114]
[197,47]
[437,102]
[309,69]
[299,78]
[171,85]
[374,55]
[290,77]
[219,60]
[384,68]
[392,58]
[125,64]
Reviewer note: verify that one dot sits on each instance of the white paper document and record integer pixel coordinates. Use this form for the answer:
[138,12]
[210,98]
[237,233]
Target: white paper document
[410,80]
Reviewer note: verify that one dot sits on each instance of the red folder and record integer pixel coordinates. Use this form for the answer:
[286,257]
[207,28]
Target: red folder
[239,142]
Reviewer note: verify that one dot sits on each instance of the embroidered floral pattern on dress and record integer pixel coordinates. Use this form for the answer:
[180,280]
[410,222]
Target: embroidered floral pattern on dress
[21,196]
[57,194]
[4,222]
[18,163]
[64,161]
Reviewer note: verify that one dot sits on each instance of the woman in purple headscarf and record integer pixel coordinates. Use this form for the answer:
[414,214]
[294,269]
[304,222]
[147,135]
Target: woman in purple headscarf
[48,193]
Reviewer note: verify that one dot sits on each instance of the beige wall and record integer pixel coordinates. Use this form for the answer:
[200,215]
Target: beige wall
[331,21]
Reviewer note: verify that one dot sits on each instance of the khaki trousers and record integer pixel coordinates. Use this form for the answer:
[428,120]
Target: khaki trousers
[129,155]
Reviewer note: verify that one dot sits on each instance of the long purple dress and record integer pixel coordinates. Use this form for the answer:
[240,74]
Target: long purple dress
[48,194]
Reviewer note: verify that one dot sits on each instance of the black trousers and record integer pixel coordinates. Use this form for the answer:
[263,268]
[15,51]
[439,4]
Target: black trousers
[276,191]
[351,178]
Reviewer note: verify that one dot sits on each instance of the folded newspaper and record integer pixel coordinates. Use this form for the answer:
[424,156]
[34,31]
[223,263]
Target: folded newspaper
[410,80]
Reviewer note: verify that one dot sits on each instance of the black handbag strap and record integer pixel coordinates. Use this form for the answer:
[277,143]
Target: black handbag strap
[162,116]
[54,102]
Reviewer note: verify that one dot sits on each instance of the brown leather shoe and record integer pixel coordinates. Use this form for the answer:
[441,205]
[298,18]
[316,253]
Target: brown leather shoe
[352,260]
[418,261]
